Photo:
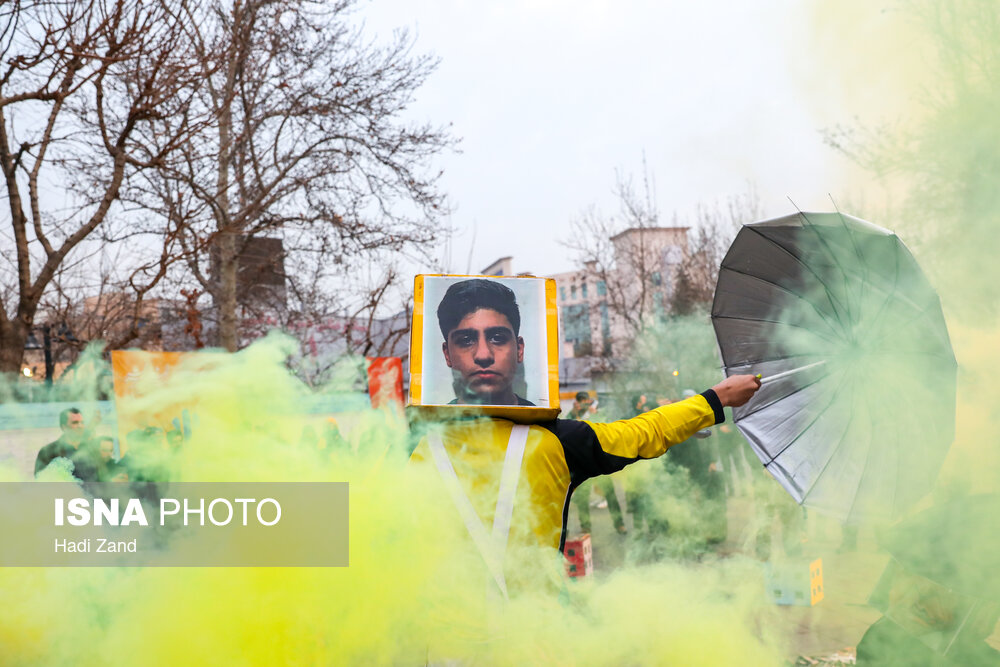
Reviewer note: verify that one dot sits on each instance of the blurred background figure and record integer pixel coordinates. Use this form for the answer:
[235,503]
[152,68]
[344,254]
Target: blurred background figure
[74,444]
[585,407]
[649,523]
[699,459]
[148,458]
[108,469]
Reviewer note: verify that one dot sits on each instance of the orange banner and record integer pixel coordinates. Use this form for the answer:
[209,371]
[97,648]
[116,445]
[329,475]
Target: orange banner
[137,375]
[385,381]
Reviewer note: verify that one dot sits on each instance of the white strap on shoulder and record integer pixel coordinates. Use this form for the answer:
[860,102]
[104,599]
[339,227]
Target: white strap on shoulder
[508,484]
[492,547]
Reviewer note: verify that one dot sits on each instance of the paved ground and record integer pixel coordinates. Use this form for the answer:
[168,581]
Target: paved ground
[835,623]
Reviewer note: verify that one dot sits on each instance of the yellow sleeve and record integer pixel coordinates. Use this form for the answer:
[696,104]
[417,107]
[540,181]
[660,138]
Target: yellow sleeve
[650,434]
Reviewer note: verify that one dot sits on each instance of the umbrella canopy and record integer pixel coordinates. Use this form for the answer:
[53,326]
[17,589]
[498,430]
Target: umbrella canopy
[857,406]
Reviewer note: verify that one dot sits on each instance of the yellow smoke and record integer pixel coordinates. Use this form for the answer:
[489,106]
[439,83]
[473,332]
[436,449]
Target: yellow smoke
[415,589]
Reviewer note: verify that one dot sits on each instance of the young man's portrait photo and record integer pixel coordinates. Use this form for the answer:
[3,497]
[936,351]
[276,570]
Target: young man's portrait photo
[491,337]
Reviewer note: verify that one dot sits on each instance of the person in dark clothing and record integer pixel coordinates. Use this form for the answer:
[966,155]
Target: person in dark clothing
[108,470]
[583,407]
[700,463]
[70,445]
[637,482]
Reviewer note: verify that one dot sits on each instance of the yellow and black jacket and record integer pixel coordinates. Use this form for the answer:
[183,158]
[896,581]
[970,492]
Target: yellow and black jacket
[558,457]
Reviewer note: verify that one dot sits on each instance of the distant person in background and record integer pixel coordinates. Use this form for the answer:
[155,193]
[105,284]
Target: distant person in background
[700,461]
[148,458]
[108,469]
[584,407]
[70,445]
[638,481]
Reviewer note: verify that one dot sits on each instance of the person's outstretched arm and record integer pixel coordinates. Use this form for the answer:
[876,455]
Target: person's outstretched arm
[598,449]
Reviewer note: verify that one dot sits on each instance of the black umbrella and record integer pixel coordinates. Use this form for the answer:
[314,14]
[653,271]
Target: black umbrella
[857,407]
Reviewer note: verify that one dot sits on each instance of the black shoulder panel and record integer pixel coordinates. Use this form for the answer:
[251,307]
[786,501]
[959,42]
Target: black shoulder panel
[584,455]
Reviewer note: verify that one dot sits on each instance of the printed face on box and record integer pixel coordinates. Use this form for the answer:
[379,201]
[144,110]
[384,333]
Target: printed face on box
[482,340]
[480,322]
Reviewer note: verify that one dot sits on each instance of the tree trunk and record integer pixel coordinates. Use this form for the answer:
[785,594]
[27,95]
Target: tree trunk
[226,295]
[226,240]
[13,335]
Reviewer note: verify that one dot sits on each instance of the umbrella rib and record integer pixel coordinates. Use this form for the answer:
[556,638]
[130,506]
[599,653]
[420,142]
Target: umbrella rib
[764,361]
[826,464]
[796,438]
[826,288]
[861,260]
[836,260]
[889,297]
[767,405]
[864,470]
[889,294]
[871,324]
[787,324]
[916,317]
[801,298]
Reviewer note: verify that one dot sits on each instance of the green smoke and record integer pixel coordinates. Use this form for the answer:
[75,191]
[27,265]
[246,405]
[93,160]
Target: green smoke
[415,589]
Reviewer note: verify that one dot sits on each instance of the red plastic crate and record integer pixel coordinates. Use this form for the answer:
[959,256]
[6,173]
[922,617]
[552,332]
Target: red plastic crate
[579,557]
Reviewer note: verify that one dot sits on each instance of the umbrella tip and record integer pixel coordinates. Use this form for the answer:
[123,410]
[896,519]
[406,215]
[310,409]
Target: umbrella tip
[833,201]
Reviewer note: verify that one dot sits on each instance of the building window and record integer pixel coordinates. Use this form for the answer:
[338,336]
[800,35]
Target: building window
[572,291]
[562,293]
[583,290]
[602,289]
[657,280]
[576,323]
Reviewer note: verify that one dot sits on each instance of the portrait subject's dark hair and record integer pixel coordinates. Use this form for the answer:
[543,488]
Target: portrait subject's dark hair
[582,396]
[64,416]
[468,296]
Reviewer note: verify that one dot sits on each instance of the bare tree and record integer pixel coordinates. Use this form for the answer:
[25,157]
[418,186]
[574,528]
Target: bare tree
[629,255]
[80,81]
[713,229]
[112,295]
[940,163]
[306,141]
[646,271]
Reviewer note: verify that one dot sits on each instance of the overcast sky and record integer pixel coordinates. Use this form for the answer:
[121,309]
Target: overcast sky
[550,97]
